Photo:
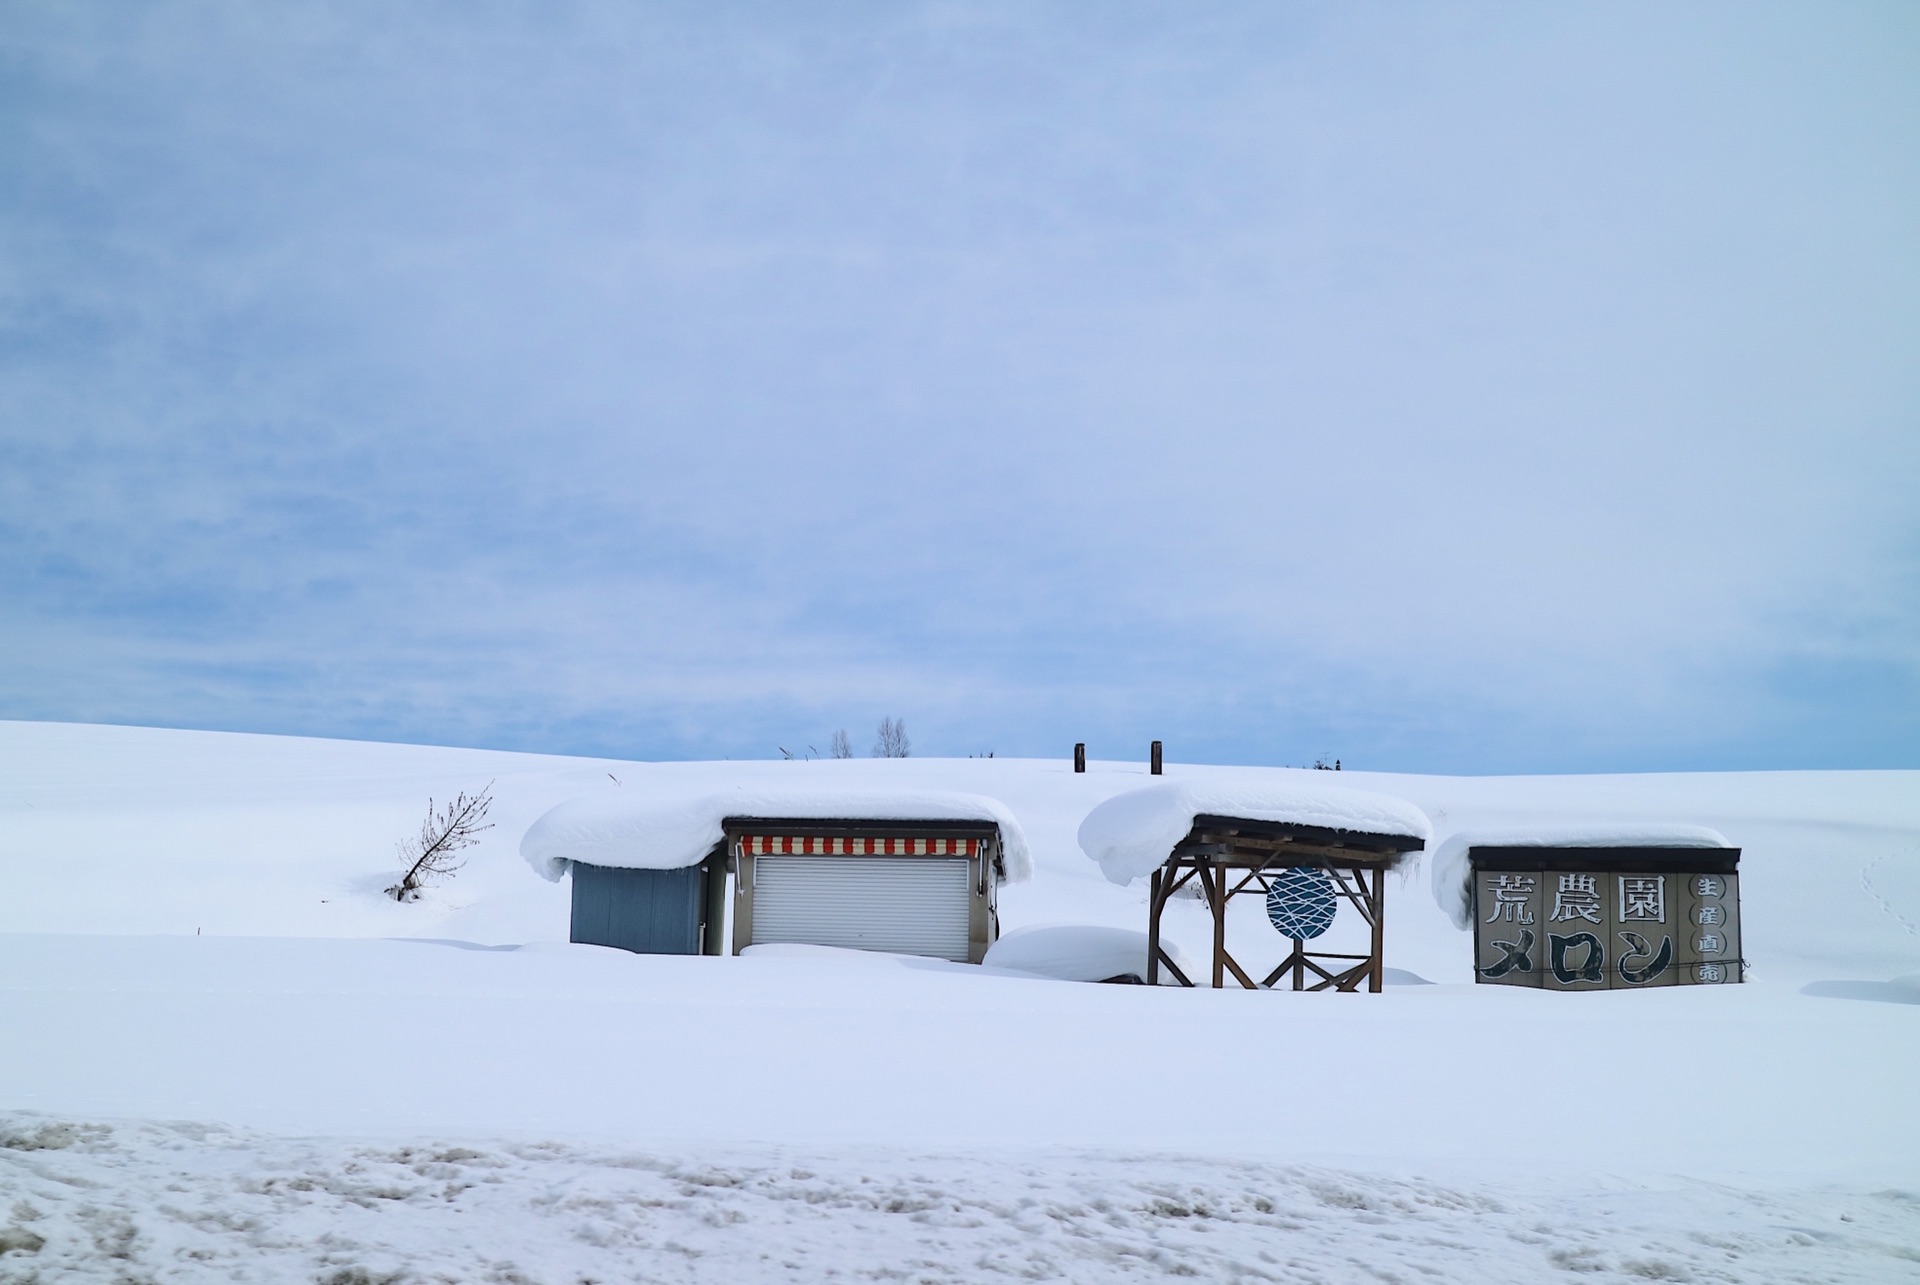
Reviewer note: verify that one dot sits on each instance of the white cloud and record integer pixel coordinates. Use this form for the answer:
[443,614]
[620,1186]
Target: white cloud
[1471,370]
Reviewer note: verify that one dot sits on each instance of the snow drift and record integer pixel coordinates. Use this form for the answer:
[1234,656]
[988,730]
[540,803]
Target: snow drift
[1080,953]
[1453,876]
[1131,834]
[651,832]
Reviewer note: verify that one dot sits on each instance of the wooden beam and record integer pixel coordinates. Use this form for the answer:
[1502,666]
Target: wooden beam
[1359,898]
[1308,961]
[1238,972]
[1246,843]
[1351,979]
[1281,971]
[1297,854]
[1174,968]
[1249,827]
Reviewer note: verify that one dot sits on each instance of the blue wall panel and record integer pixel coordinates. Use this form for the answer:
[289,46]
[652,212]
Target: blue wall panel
[655,912]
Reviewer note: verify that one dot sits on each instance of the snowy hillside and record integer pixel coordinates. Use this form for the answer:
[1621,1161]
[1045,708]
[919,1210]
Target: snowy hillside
[192,929]
[138,831]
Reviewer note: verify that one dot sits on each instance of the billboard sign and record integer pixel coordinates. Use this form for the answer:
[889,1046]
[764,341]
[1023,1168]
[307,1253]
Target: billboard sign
[1606,918]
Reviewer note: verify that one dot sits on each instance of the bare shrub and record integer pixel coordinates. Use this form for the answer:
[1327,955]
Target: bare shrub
[433,853]
[892,741]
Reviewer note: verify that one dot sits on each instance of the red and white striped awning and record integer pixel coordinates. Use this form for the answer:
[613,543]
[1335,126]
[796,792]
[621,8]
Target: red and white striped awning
[755,845]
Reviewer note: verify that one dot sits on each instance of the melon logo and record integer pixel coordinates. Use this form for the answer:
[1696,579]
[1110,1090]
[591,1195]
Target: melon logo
[1301,902]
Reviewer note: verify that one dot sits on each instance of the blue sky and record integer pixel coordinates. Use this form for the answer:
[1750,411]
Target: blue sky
[1453,387]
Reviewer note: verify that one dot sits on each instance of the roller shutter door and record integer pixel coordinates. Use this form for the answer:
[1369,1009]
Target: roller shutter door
[909,905]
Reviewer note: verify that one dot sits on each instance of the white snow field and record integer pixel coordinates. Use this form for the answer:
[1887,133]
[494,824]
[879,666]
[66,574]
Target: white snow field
[224,1056]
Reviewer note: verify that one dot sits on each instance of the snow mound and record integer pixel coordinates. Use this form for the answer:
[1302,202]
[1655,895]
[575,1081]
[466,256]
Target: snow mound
[1131,834]
[650,832]
[1080,953]
[1453,876]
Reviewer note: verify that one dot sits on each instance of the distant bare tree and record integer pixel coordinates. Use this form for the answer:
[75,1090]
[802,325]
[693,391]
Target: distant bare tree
[892,742]
[433,852]
[841,747]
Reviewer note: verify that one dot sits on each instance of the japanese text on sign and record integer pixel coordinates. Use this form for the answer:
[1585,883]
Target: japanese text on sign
[1605,929]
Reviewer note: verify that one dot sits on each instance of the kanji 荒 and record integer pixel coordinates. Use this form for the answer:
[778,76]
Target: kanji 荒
[1511,895]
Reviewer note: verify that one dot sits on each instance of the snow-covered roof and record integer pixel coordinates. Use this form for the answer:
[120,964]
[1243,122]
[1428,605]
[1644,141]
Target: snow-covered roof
[1132,834]
[1453,875]
[623,828]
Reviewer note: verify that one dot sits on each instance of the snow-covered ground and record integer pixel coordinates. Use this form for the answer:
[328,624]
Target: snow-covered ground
[192,1202]
[191,929]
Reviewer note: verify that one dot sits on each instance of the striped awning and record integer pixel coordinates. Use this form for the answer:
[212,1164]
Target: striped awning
[755,845]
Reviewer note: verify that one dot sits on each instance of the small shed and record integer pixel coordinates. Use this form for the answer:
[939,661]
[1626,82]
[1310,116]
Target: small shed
[1617,906]
[916,872]
[911,887]
[1305,851]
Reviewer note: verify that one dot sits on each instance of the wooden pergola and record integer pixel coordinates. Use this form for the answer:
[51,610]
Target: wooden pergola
[1229,856]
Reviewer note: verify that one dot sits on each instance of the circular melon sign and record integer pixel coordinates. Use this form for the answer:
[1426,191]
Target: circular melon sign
[1301,902]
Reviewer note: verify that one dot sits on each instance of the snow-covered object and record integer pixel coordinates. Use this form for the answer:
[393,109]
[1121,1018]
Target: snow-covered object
[1080,953]
[1132,834]
[651,832]
[1453,875]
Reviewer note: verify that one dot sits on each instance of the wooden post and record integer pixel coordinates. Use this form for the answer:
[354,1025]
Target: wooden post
[1153,931]
[1080,756]
[1154,756]
[1377,976]
[713,939]
[1217,898]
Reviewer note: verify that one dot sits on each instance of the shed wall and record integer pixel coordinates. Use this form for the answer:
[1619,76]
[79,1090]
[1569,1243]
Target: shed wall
[655,912]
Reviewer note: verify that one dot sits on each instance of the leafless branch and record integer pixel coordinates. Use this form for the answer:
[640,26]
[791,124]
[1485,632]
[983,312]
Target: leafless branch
[892,742]
[433,852]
